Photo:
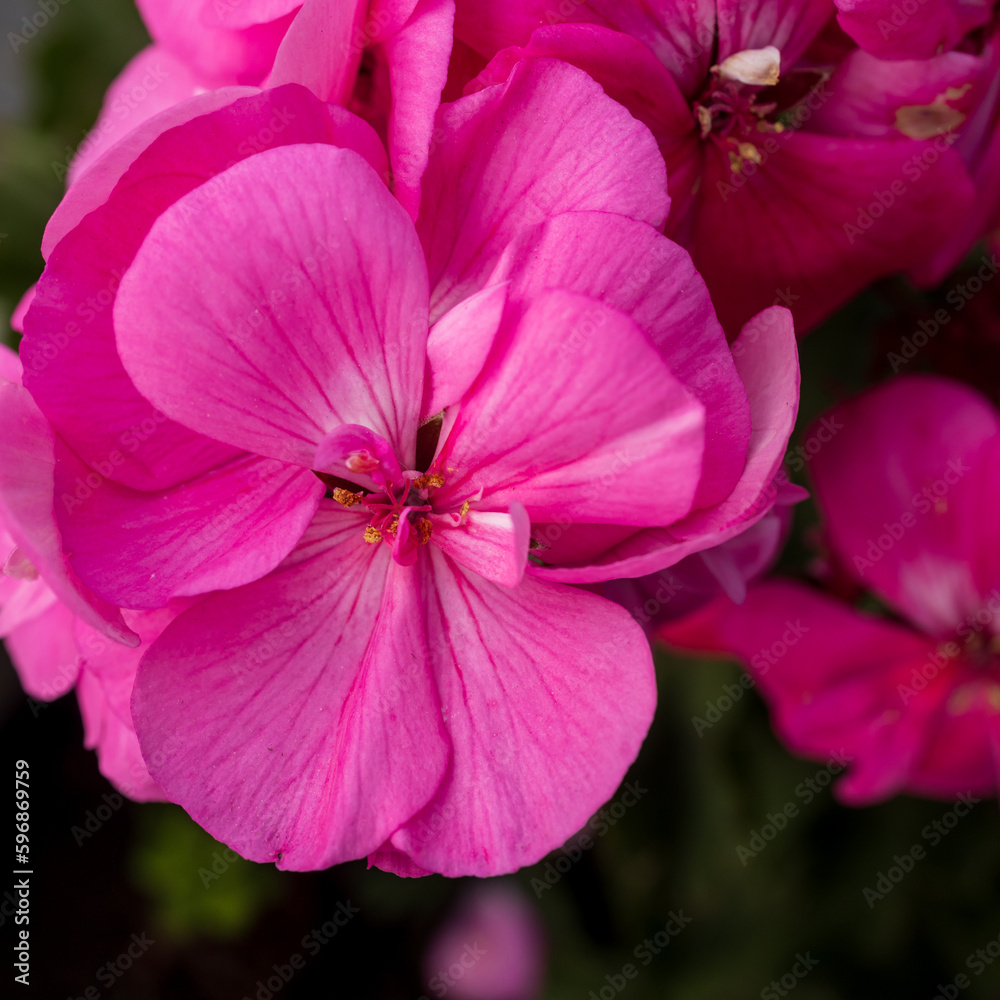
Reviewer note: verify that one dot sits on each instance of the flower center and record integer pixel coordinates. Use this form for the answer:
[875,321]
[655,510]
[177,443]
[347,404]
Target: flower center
[728,112]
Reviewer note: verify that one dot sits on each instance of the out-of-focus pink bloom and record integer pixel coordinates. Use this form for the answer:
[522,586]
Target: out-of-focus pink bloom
[800,167]
[386,59]
[55,645]
[906,488]
[492,947]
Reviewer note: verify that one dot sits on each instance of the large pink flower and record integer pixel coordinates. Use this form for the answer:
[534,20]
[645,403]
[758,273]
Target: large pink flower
[800,167]
[906,489]
[386,59]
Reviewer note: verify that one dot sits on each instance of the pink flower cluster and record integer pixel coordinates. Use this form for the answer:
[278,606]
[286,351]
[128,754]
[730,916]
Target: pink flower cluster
[396,364]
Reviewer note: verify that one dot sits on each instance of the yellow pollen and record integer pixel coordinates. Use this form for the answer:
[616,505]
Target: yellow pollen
[429,481]
[464,510]
[391,530]
[424,529]
[372,535]
[748,151]
[346,497]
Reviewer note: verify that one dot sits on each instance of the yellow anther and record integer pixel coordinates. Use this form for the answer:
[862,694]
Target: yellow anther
[372,535]
[424,529]
[391,530]
[429,481]
[346,497]
[464,510]
[748,151]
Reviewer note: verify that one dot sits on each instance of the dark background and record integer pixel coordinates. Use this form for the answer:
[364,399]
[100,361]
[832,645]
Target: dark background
[675,850]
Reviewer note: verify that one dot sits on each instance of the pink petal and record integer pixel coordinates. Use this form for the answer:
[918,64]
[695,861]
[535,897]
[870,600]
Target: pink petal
[531,680]
[246,13]
[820,189]
[44,653]
[829,675]
[151,82]
[69,327]
[227,527]
[311,298]
[490,543]
[767,361]
[27,461]
[294,718]
[458,345]
[884,29]
[504,163]
[898,484]
[218,55]
[588,440]
[319,50]
[93,186]
[675,33]
[17,324]
[637,271]
[789,25]
[418,69]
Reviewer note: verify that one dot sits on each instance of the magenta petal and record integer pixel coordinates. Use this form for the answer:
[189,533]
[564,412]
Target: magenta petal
[27,462]
[789,25]
[418,69]
[767,360]
[151,82]
[505,162]
[458,345]
[828,673]
[319,50]
[531,680]
[899,485]
[883,28]
[295,718]
[637,271]
[587,441]
[44,652]
[227,527]
[311,298]
[490,543]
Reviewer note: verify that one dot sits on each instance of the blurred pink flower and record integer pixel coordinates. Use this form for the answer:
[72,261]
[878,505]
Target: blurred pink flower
[907,490]
[492,947]
[800,167]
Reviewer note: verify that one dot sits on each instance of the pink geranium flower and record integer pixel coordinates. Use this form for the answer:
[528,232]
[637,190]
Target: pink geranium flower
[386,59]
[57,633]
[906,489]
[223,516]
[800,167]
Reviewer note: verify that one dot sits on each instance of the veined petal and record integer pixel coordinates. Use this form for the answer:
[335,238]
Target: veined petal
[304,306]
[297,716]
[532,679]
[609,435]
